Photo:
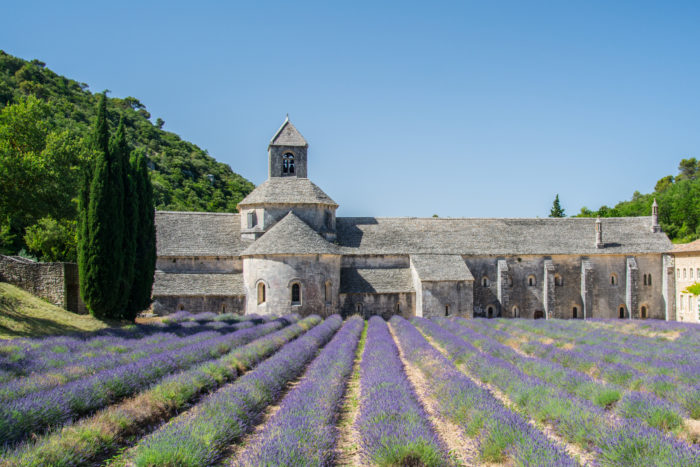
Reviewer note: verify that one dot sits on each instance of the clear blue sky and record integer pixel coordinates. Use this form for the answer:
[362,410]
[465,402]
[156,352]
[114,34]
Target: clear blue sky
[463,109]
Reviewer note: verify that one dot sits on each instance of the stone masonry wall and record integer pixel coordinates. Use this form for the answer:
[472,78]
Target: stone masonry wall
[199,304]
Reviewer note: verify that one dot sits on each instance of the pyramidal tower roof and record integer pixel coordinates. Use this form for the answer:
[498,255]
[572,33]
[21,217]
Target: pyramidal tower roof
[290,236]
[288,135]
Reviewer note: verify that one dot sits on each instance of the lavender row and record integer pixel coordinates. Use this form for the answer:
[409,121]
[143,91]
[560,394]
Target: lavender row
[19,387]
[302,431]
[502,435]
[107,430]
[198,438]
[578,421]
[393,426]
[54,407]
[656,412]
[685,396]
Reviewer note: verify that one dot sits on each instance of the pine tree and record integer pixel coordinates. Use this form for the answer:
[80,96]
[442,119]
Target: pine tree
[120,153]
[556,210]
[145,257]
[101,262]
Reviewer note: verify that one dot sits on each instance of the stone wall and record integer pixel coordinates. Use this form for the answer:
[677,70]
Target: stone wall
[381,304]
[56,283]
[200,303]
[199,264]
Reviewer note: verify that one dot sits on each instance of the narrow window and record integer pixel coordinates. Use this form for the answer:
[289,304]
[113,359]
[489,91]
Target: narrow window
[484,282]
[288,163]
[531,281]
[678,273]
[682,303]
[261,293]
[296,294]
[328,292]
[622,312]
[358,308]
[684,273]
[558,281]
[447,310]
[252,219]
[645,279]
[223,308]
[575,312]
[691,273]
[644,312]
[489,312]
[613,279]
[516,312]
[398,308]
[648,279]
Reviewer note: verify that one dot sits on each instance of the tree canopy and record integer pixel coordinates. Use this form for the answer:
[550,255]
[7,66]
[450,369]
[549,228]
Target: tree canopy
[556,210]
[45,145]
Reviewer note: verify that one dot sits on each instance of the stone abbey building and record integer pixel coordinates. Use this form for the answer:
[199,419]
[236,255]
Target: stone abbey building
[286,251]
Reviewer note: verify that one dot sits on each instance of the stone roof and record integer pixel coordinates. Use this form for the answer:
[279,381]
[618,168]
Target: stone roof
[290,236]
[288,135]
[401,235]
[287,190]
[167,284]
[198,234]
[687,247]
[441,268]
[359,280]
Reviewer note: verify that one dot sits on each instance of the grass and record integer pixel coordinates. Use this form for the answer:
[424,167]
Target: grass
[24,315]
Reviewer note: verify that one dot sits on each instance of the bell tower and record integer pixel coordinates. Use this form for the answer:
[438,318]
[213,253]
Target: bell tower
[287,152]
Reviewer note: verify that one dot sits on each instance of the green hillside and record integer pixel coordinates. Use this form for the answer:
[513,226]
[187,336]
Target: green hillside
[679,203]
[44,121]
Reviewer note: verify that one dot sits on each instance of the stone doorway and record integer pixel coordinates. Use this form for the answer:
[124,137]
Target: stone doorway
[539,314]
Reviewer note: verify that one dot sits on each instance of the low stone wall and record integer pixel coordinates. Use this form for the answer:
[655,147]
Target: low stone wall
[166,304]
[56,283]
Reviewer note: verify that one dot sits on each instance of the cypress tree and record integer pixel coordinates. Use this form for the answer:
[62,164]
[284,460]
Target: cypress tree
[145,257]
[556,210]
[120,152]
[102,235]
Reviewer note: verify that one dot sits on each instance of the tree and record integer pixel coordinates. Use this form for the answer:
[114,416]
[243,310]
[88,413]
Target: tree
[52,240]
[100,257]
[556,210]
[145,256]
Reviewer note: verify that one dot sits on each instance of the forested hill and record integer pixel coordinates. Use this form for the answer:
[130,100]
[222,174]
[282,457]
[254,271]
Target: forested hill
[184,176]
[679,203]
[44,119]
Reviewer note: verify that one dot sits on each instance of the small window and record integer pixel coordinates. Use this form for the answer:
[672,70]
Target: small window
[622,312]
[484,281]
[288,163]
[261,293]
[358,308]
[558,281]
[645,279]
[684,276]
[644,312]
[296,294]
[574,312]
[328,291]
[691,273]
[613,279]
[489,312]
[223,308]
[447,310]
[682,303]
[516,312]
[531,281]
[180,307]
[252,219]
[398,308]
[678,273]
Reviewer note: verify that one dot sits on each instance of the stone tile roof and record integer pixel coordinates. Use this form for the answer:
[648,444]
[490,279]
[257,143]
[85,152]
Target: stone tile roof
[369,235]
[441,268]
[198,234]
[359,280]
[687,247]
[167,284]
[288,135]
[287,190]
[290,236]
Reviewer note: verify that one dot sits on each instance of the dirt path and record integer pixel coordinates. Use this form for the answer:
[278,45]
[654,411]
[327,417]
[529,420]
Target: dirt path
[461,448]
[585,457]
[347,448]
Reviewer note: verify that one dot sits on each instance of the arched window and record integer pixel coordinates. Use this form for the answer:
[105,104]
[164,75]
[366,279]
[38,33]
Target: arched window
[678,273]
[358,308]
[648,279]
[531,281]
[328,291]
[516,312]
[398,308]
[613,279]
[645,279]
[223,308]
[261,293]
[691,273]
[558,281]
[296,294]
[622,312]
[574,312]
[288,163]
[447,310]
[180,307]
[489,311]
[644,312]
[484,281]
[684,276]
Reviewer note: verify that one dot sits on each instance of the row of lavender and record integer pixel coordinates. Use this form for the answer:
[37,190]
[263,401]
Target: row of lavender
[95,436]
[572,402]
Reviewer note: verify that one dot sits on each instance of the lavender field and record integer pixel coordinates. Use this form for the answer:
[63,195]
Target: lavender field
[211,389]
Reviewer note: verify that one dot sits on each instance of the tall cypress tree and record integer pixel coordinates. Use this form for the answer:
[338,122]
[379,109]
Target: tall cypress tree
[120,152]
[145,257]
[101,256]
[556,210]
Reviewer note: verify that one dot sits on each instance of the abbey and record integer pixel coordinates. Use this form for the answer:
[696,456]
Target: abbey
[286,251]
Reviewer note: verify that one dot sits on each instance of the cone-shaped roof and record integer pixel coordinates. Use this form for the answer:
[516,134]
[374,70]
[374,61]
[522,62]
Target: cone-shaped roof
[288,135]
[287,190]
[290,236]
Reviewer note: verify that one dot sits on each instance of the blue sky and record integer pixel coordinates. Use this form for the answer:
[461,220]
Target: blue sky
[461,109]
